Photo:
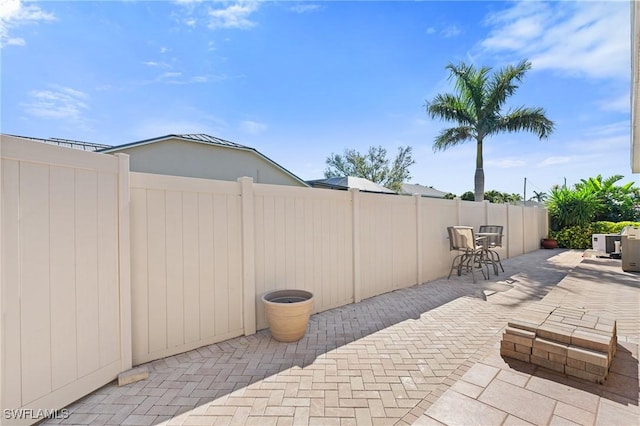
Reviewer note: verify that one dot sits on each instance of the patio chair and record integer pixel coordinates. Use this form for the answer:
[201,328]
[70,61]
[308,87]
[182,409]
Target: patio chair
[494,240]
[463,240]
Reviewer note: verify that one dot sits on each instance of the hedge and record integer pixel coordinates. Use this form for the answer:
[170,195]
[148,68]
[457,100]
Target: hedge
[579,237]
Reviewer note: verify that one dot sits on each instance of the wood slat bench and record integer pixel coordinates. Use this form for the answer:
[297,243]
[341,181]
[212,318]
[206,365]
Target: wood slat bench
[565,339]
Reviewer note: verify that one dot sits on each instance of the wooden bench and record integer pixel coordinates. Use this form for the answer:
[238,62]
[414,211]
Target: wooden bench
[565,339]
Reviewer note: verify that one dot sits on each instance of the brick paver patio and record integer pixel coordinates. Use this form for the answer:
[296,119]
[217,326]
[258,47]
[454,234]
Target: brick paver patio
[389,359]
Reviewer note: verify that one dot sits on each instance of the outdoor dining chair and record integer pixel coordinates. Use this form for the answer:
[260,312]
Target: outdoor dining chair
[493,234]
[463,240]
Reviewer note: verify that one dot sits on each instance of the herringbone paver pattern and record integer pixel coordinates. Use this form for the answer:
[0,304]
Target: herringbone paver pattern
[382,361]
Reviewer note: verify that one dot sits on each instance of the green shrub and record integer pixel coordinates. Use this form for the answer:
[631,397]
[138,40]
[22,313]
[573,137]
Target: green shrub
[579,237]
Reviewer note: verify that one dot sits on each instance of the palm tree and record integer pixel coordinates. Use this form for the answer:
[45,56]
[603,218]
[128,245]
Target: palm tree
[540,197]
[477,109]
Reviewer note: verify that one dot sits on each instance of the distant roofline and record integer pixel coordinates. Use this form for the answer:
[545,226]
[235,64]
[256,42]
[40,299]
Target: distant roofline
[203,139]
[324,183]
[59,141]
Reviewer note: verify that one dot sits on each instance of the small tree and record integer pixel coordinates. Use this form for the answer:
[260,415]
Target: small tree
[374,166]
[467,196]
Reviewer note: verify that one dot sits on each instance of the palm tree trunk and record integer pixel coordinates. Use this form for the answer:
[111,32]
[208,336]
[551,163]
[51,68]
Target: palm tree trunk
[479,185]
[478,179]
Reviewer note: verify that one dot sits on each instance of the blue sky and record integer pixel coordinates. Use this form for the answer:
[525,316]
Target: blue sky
[301,80]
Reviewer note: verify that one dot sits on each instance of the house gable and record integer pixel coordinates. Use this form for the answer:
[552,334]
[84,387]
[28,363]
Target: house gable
[184,156]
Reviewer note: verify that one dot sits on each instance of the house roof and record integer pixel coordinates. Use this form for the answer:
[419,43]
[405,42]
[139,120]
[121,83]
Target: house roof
[195,137]
[68,143]
[347,182]
[425,191]
[204,139]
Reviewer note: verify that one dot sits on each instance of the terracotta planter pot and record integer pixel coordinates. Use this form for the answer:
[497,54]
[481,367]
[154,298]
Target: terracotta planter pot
[288,313]
[549,243]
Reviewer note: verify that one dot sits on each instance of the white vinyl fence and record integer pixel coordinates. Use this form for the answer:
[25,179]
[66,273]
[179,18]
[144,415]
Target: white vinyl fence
[103,268]
[64,281]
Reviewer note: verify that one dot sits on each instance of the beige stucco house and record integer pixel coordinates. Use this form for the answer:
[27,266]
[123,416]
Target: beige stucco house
[203,156]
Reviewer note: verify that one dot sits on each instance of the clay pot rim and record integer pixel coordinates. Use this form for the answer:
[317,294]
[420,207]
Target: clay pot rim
[307,295]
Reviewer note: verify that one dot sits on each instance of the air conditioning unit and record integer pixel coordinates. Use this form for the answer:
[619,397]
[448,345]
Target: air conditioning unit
[606,243]
[631,249]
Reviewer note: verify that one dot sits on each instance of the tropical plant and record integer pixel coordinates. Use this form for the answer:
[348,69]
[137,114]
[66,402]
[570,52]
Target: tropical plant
[498,197]
[467,196]
[540,197]
[617,203]
[477,108]
[579,237]
[374,166]
[571,207]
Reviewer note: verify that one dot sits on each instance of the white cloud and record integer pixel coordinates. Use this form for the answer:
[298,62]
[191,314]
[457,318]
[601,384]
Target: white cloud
[305,8]
[58,103]
[618,128]
[553,161]
[446,32]
[619,104]
[233,16]
[505,163]
[176,77]
[156,64]
[253,127]
[450,31]
[590,39]
[13,13]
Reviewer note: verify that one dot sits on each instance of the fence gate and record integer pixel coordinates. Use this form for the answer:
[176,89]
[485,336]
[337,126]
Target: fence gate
[60,287]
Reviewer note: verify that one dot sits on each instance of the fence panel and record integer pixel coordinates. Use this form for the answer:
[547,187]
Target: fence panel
[473,214]
[515,235]
[387,239]
[303,240]
[530,229]
[497,215]
[436,216]
[186,264]
[60,285]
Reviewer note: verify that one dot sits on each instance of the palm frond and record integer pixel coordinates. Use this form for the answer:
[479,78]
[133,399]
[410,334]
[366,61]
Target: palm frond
[526,119]
[450,108]
[503,84]
[452,137]
[471,83]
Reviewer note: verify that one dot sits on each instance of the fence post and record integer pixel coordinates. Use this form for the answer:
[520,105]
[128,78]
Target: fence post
[417,199]
[508,230]
[537,220]
[124,261]
[486,212]
[248,256]
[524,230]
[355,211]
[459,210]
